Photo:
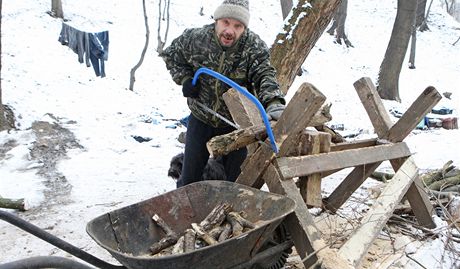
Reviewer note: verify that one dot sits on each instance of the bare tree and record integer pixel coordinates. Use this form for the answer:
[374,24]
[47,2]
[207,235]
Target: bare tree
[144,51]
[291,47]
[56,9]
[338,24]
[286,6]
[390,68]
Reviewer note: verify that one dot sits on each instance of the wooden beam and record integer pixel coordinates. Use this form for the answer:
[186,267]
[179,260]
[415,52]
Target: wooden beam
[373,105]
[358,244]
[354,144]
[310,186]
[349,185]
[295,118]
[300,223]
[243,111]
[291,167]
[414,114]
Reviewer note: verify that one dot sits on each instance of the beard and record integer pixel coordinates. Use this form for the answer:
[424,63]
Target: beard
[226,39]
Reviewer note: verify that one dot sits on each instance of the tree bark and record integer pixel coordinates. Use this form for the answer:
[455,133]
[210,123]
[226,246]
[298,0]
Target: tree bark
[338,24]
[390,68]
[291,47]
[286,7]
[420,17]
[56,9]
[2,114]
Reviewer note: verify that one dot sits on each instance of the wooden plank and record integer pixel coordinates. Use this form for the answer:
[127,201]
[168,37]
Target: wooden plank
[300,224]
[414,114]
[358,244]
[295,118]
[354,144]
[418,199]
[310,186]
[291,167]
[373,104]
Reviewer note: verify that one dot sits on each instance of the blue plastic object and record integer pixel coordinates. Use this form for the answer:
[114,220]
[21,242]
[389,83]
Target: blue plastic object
[251,97]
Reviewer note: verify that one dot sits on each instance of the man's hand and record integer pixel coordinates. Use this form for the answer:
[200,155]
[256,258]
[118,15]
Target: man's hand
[274,110]
[190,90]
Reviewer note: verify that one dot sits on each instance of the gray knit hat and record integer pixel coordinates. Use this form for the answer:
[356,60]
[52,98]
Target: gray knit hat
[235,9]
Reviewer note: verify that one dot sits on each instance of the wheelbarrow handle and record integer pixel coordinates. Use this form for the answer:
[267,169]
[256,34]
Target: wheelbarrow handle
[251,97]
[69,248]
[45,262]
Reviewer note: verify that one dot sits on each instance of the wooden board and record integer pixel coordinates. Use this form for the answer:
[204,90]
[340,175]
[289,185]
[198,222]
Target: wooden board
[358,244]
[305,165]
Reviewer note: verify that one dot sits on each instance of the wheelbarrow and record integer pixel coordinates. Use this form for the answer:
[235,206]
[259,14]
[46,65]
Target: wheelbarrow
[128,232]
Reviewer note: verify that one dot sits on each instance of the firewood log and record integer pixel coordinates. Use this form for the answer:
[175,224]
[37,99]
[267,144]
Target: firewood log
[204,235]
[18,204]
[225,234]
[216,217]
[178,248]
[189,240]
[167,241]
[444,183]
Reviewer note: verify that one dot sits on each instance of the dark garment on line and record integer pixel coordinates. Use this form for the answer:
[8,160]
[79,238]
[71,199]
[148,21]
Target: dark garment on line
[196,154]
[91,47]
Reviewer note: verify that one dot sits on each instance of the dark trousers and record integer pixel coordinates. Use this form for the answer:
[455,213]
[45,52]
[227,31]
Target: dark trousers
[196,154]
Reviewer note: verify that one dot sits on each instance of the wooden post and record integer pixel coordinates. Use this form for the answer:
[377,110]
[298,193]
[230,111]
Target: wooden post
[310,186]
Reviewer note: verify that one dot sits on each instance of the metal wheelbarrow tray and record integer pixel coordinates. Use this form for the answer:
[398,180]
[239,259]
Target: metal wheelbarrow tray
[127,233]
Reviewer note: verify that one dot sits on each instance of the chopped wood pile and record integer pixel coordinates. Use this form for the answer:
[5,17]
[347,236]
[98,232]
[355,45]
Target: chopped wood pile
[220,224]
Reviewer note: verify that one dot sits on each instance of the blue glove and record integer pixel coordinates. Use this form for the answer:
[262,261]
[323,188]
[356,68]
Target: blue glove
[190,90]
[275,109]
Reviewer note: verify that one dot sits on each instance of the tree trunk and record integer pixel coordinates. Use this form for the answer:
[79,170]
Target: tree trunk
[2,113]
[338,24]
[390,68]
[144,51]
[420,17]
[291,47]
[56,9]
[413,43]
[286,7]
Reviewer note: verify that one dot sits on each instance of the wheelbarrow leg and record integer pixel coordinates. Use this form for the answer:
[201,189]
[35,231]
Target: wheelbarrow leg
[69,248]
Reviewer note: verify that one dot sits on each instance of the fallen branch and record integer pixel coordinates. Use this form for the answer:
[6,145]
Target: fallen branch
[18,204]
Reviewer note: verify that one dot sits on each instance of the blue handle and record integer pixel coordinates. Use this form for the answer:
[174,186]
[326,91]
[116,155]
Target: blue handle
[251,97]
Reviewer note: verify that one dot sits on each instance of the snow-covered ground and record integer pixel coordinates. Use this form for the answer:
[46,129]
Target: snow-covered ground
[43,81]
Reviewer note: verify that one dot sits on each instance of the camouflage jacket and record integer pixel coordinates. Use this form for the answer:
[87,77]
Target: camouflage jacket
[247,63]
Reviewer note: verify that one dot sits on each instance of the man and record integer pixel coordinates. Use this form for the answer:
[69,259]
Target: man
[230,48]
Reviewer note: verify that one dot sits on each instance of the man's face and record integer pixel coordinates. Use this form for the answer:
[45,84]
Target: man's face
[228,31]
